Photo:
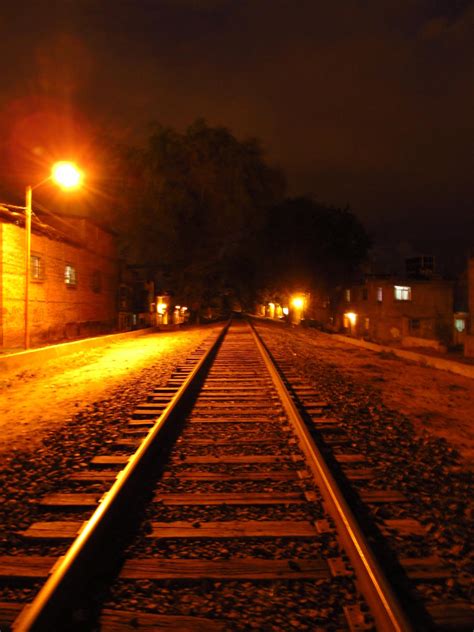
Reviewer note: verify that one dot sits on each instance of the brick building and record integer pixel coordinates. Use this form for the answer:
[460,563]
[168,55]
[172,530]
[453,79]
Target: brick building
[412,312]
[73,279]
[469,337]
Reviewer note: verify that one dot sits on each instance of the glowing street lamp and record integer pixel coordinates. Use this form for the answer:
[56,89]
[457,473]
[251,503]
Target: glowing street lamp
[67,176]
[298,302]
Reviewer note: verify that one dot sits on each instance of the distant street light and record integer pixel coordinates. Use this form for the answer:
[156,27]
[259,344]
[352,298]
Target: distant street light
[298,302]
[67,176]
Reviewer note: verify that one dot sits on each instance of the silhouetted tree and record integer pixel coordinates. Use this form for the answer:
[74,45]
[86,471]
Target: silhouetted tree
[308,244]
[208,209]
[197,202]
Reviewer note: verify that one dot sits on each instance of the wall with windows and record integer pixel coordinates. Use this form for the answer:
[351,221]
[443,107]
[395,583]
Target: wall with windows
[397,310]
[73,287]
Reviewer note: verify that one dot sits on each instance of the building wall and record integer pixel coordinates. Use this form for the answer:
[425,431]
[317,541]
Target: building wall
[13,284]
[427,315]
[57,311]
[469,339]
[470,294]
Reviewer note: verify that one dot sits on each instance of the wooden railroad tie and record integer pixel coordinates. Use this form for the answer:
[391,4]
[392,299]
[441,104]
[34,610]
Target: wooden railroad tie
[234,529]
[405,526]
[51,530]
[270,475]
[94,475]
[237,419]
[223,498]
[382,496]
[79,500]
[113,620]
[232,569]
[9,612]
[248,438]
[67,530]
[350,458]
[241,459]
[456,615]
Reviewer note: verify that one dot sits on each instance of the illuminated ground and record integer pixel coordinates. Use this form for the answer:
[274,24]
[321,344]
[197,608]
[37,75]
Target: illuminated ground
[438,403]
[37,400]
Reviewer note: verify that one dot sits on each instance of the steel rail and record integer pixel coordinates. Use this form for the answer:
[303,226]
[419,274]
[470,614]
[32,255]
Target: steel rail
[53,602]
[371,580]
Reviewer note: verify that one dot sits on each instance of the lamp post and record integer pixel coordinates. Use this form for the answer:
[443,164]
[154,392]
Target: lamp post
[67,176]
[28,197]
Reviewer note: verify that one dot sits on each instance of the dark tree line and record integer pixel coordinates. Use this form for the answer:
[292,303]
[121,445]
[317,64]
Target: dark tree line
[210,216]
[312,245]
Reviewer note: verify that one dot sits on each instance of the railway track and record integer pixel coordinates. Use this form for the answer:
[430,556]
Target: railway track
[216,511]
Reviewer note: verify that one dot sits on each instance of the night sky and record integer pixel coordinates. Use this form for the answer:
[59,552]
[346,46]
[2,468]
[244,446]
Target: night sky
[364,102]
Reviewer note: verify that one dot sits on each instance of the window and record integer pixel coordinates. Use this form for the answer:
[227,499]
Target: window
[367,324]
[365,293]
[96,281]
[348,296]
[70,276]
[36,268]
[379,294]
[402,293]
[459,324]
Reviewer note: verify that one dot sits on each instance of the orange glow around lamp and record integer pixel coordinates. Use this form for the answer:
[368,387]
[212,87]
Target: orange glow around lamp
[67,176]
[298,302]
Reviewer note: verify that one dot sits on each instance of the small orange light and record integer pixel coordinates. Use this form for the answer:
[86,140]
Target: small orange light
[351,317]
[298,302]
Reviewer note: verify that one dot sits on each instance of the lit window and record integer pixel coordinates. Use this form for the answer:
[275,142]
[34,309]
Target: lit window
[96,281]
[70,276]
[460,324]
[379,294]
[367,324]
[36,268]
[402,293]
[348,296]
